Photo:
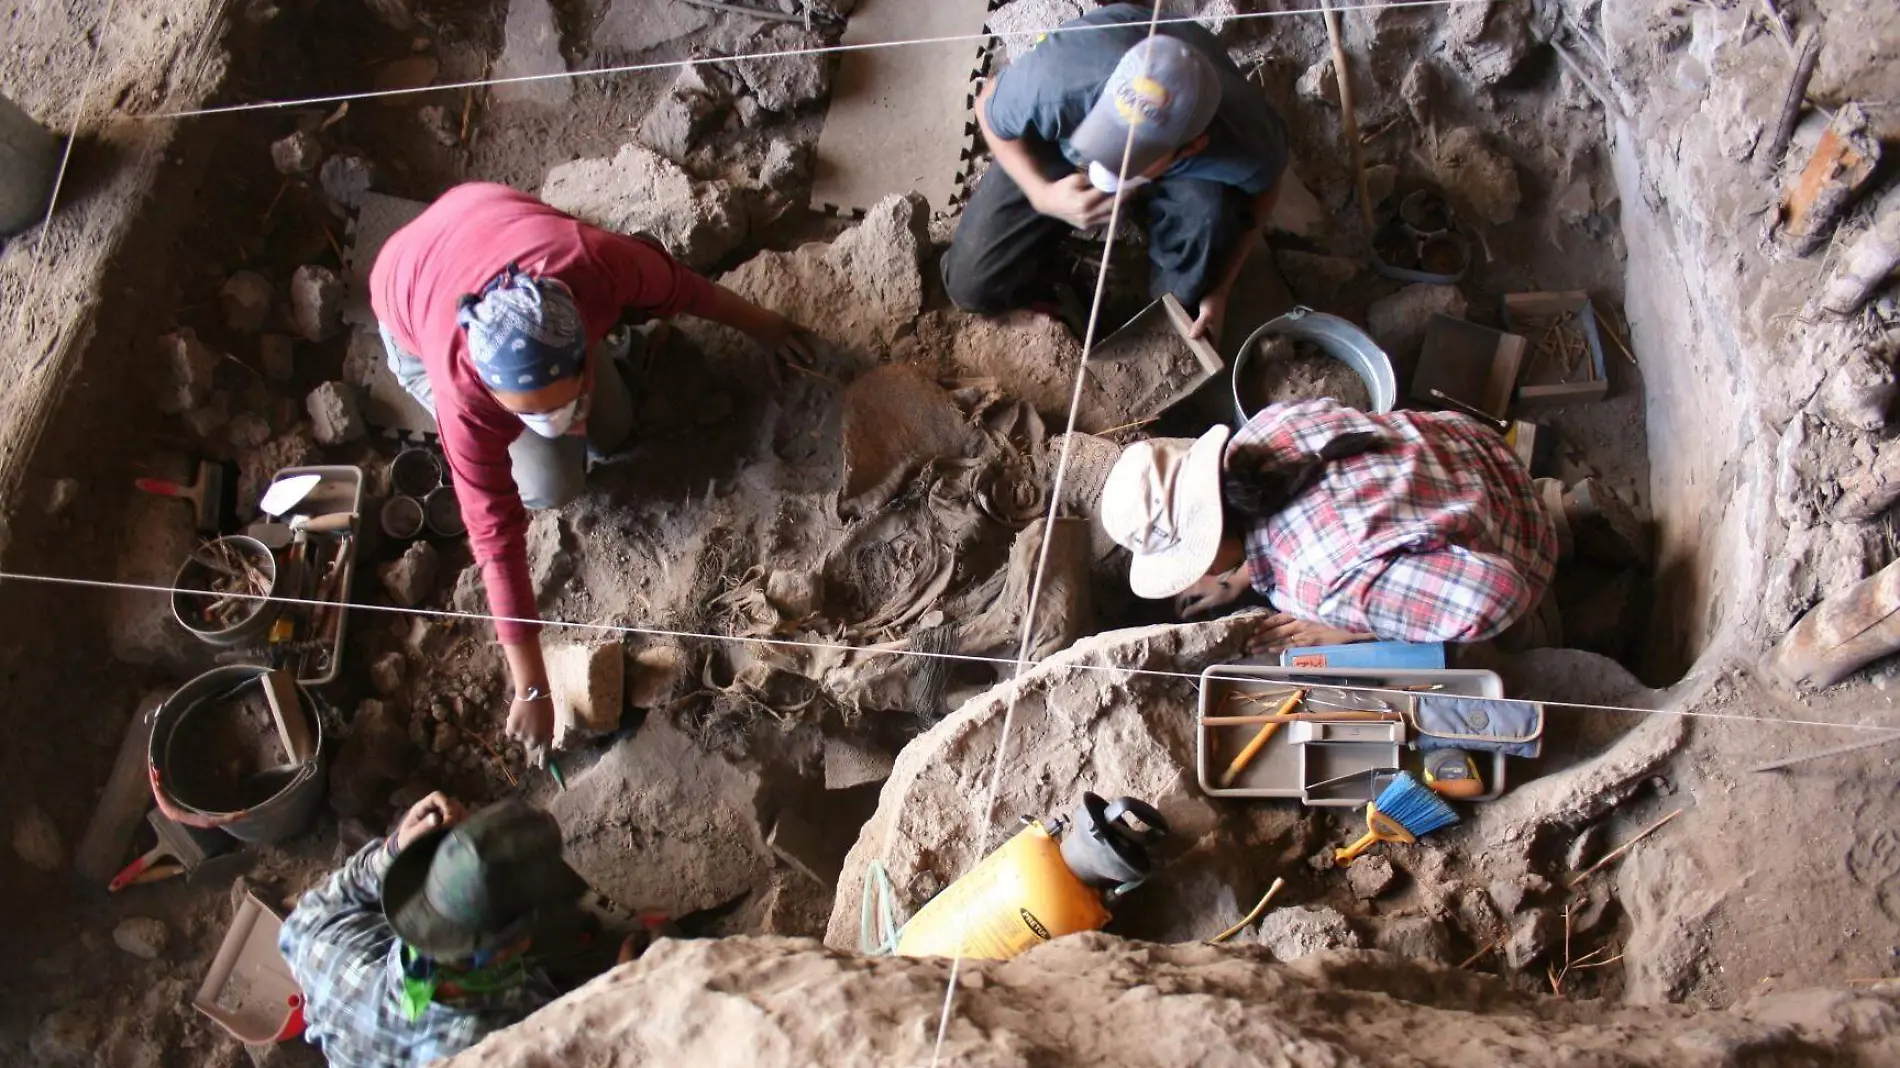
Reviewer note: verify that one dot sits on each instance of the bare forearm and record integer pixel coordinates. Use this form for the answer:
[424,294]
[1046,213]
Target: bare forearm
[525,666]
[731,309]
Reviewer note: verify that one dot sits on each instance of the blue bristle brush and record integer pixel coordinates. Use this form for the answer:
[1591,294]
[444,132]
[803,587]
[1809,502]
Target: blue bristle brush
[1406,811]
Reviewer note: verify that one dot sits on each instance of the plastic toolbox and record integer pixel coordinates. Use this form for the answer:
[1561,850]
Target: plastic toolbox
[341,490]
[1322,764]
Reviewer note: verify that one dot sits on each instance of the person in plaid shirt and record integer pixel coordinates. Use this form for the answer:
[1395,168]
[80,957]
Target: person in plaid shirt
[1410,526]
[420,946]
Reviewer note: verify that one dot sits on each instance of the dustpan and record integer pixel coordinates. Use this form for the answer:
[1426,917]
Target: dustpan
[249,990]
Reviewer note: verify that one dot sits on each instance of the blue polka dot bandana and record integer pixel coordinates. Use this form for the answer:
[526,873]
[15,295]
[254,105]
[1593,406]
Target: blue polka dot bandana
[523,332]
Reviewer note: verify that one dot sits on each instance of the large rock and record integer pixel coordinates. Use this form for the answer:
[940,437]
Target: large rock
[531,46]
[246,297]
[1481,182]
[141,936]
[1303,930]
[781,83]
[1486,42]
[335,417]
[316,302]
[860,291]
[410,578]
[772,1002]
[640,191]
[1398,322]
[1082,722]
[633,26]
[660,823]
[697,97]
[189,368]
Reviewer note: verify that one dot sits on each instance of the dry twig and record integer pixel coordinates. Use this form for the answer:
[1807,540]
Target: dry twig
[1614,332]
[1615,854]
[1482,950]
[1250,917]
[493,752]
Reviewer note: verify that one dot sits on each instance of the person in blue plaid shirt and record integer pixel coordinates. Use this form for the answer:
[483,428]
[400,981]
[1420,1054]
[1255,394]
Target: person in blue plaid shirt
[423,944]
[1406,526]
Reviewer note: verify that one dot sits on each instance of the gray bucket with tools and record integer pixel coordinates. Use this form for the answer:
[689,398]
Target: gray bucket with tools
[29,158]
[197,767]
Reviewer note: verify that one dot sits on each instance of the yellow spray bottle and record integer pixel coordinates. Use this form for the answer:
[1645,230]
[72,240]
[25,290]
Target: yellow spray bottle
[1053,878]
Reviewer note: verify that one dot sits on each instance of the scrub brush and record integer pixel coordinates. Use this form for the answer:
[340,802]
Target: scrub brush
[1405,812]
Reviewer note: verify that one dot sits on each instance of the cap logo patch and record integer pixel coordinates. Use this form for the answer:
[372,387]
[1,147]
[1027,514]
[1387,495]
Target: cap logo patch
[1140,100]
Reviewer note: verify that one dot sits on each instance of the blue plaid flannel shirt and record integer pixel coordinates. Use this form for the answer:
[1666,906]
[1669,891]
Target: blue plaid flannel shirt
[349,963]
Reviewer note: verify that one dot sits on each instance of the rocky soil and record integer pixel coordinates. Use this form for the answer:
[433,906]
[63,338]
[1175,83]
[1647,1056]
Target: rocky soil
[1094,999]
[890,500]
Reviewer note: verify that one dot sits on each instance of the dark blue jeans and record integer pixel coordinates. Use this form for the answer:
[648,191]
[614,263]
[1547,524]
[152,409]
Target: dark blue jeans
[1004,253]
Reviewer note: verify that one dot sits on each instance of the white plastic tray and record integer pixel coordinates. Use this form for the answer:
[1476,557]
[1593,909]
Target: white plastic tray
[1286,768]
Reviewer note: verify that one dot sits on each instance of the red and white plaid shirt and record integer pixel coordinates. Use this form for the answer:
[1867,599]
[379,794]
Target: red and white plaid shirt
[1435,534]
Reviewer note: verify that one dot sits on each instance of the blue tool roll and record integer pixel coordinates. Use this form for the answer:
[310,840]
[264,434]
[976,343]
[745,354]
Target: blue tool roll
[1514,728]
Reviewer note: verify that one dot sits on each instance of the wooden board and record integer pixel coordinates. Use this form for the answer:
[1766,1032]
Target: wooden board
[900,118]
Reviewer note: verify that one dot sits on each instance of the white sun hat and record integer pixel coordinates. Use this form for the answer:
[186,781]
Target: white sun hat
[1162,503]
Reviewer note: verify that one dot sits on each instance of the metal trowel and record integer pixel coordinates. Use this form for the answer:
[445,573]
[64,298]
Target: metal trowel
[285,494]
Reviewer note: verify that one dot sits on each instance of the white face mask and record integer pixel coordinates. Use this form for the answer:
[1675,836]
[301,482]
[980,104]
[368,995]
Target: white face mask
[1104,179]
[552,424]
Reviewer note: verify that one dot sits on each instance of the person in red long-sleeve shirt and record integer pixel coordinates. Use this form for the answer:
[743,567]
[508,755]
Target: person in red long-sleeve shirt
[492,306]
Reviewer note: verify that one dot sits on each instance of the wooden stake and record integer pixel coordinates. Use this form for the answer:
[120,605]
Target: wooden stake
[1348,120]
[1809,44]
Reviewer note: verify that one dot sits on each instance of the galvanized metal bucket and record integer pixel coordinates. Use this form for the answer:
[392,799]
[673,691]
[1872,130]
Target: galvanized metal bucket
[1342,341]
[253,627]
[29,158]
[180,777]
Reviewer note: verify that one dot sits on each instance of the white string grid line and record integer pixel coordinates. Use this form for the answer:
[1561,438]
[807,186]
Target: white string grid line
[786,53]
[866,650]
[986,816]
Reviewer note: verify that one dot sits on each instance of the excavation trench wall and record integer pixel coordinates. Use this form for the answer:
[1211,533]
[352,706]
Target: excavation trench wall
[1743,385]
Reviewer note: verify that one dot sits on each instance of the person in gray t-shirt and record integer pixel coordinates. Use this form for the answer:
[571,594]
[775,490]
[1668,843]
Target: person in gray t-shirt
[1059,120]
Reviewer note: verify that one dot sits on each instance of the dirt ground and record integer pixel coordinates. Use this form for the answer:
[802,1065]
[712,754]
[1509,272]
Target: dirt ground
[889,500]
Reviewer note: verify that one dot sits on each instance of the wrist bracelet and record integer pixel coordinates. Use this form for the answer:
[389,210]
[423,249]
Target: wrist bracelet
[535,693]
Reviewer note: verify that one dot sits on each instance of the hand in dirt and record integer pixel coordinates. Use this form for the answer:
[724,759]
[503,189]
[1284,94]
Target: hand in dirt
[788,341]
[1213,314]
[1075,201]
[1282,631]
[531,722]
[436,810]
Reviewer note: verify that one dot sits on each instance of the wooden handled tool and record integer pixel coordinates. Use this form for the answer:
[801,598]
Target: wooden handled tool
[1307,717]
[1269,724]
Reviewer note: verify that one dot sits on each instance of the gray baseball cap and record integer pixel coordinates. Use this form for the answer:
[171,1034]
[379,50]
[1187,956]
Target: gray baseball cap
[1164,90]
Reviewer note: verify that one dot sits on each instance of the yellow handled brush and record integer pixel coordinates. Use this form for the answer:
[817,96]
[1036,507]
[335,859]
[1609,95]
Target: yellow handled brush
[1405,812]
[1261,738]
